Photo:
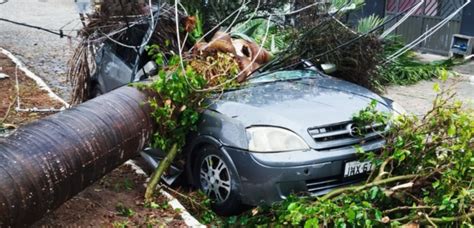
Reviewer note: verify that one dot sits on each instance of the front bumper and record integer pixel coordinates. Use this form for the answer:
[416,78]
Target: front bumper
[266,178]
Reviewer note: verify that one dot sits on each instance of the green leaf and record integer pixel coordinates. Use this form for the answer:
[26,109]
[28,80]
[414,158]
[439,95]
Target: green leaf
[292,206]
[351,214]
[367,24]
[378,215]
[311,223]
[452,130]
[436,87]
[373,192]
[444,75]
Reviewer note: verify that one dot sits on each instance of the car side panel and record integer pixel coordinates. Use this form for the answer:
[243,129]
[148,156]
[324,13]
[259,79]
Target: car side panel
[229,131]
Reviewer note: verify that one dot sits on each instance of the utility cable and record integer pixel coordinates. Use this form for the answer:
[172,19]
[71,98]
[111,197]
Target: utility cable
[228,28]
[350,42]
[404,18]
[279,59]
[427,34]
[145,42]
[244,4]
[60,33]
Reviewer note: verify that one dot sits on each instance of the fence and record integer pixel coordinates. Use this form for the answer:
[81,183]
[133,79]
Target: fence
[427,16]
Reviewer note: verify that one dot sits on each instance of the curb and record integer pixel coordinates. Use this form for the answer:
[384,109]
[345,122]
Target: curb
[172,201]
[34,77]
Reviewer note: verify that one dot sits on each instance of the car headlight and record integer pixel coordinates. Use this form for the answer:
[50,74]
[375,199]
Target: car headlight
[398,114]
[273,139]
[398,110]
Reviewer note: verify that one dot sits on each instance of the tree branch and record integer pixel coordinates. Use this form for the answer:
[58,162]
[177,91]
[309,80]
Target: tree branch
[382,172]
[156,176]
[438,221]
[450,219]
[429,220]
[336,192]
[407,208]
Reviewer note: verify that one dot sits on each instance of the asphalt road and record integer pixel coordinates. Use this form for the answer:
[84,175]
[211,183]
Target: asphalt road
[46,54]
[418,98]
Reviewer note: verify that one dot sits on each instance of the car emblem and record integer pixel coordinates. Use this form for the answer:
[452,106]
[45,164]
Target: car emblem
[353,130]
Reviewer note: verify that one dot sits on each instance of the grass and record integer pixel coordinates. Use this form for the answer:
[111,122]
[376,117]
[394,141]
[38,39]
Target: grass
[121,224]
[124,211]
[407,69]
[125,185]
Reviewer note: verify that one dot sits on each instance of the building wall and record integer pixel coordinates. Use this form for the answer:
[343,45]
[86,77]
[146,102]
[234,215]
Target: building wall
[467,24]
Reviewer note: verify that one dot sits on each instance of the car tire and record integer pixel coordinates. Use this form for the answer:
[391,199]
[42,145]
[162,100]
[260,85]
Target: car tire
[212,172]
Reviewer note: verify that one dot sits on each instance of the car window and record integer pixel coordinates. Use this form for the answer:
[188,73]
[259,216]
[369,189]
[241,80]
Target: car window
[133,37]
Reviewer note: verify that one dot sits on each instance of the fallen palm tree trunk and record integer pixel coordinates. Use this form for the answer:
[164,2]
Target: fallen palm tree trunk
[47,162]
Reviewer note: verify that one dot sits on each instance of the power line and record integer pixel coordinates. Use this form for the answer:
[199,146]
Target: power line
[279,60]
[348,43]
[60,33]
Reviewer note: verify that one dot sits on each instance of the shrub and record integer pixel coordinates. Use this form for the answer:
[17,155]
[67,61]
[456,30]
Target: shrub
[407,69]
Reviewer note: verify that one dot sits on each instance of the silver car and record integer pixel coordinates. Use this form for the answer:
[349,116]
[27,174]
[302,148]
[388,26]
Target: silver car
[282,133]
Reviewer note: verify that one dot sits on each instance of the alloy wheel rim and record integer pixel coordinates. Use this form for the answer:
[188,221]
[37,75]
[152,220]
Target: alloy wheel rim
[215,178]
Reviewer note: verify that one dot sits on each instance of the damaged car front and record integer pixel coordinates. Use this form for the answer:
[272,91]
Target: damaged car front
[283,132]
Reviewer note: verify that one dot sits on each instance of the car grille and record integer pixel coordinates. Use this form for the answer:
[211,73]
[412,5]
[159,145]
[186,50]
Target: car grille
[344,134]
[322,186]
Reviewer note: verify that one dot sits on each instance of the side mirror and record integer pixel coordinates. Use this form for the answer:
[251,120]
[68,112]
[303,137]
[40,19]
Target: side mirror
[149,69]
[329,68]
[309,65]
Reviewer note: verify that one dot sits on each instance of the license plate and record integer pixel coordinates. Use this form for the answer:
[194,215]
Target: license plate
[355,168]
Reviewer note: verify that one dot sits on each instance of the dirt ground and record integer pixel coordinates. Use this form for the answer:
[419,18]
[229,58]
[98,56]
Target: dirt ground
[418,98]
[29,93]
[114,201]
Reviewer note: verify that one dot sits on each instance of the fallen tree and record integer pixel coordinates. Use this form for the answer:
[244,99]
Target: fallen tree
[47,162]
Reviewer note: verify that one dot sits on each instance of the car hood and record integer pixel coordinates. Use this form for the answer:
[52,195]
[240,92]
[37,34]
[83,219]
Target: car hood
[296,105]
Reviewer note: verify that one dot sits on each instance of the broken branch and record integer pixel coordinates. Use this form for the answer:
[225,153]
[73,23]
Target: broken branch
[359,188]
[156,176]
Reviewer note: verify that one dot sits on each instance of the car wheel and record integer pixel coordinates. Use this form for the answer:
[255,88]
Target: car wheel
[216,178]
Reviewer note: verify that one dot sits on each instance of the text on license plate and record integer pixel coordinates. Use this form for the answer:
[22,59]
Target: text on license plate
[356,167]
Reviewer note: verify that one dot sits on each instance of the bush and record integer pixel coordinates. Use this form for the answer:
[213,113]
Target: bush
[407,69]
